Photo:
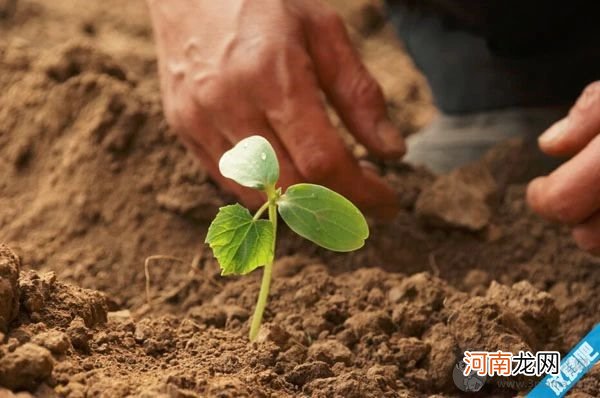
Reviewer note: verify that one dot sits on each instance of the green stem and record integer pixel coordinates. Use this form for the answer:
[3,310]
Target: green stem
[261,303]
[261,210]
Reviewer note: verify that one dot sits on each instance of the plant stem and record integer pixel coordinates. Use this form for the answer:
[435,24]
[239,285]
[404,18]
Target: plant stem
[261,303]
[260,211]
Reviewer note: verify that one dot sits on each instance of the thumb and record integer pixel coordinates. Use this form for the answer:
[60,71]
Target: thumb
[354,93]
[571,134]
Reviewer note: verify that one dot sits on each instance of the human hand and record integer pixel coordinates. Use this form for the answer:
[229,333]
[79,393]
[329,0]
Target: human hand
[571,194]
[233,68]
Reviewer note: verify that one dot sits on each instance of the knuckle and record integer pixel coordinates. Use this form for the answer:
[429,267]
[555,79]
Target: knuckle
[258,57]
[255,66]
[273,69]
[329,19]
[208,92]
[363,86]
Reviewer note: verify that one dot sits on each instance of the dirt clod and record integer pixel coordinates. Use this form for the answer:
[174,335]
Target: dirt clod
[409,351]
[459,199]
[309,371]
[330,351]
[480,325]
[45,299]
[418,303]
[443,355]
[79,335]
[275,334]
[9,286]
[56,341]
[375,322]
[536,308]
[26,367]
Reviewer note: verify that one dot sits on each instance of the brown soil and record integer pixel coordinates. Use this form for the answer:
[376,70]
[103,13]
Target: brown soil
[92,183]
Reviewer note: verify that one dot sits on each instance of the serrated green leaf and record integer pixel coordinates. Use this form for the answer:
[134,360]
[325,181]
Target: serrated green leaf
[251,162]
[324,217]
[239,243]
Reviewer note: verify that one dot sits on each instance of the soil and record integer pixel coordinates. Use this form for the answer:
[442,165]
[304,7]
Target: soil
[92,183]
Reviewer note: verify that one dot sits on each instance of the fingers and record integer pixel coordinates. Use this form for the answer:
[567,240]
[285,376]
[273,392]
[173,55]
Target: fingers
[587,234]
[350,88]
[386,206]
[571,193]
[208,144]
[571,134]
[316,148]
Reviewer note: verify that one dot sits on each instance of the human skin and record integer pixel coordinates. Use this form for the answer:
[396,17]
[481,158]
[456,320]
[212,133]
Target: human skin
[571,194]
[234,68]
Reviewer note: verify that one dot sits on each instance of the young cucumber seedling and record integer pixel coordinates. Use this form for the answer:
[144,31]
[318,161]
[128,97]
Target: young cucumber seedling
[242,242]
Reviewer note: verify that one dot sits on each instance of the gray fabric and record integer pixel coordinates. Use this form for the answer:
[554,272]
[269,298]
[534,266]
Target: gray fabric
[466,75]
[453,141]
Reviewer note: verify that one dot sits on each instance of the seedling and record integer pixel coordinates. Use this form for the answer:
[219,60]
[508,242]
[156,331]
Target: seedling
[242,242]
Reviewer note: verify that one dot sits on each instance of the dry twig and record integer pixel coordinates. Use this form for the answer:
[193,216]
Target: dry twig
[147,271]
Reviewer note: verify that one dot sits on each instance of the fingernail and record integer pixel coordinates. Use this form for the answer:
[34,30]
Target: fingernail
[391,138]
[555,132]
[365,164]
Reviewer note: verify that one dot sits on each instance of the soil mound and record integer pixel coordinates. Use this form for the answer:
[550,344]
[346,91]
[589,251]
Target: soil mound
[362,333]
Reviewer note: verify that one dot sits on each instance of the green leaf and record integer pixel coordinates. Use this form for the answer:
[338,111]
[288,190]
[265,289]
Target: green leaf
[251,162]
[324,217]
[240,243]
